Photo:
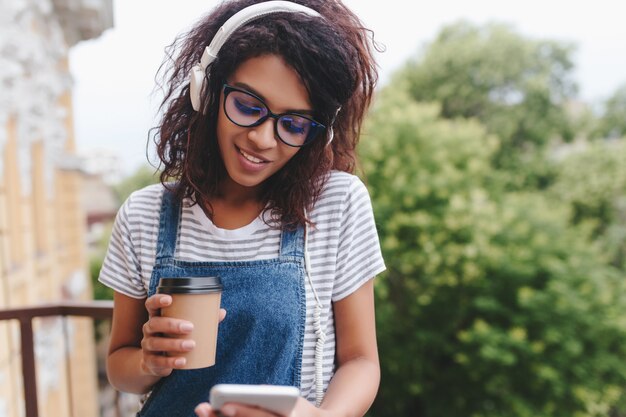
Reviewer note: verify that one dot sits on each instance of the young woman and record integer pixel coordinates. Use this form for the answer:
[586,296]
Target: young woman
[257,147]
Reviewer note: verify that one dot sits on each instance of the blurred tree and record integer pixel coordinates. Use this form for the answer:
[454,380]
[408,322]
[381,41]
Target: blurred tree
[612,124]
[142,177]
[100,291]
[593,184]
[515,86]
[492,305]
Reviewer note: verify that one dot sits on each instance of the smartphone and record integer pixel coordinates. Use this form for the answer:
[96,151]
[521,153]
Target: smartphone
[275,398]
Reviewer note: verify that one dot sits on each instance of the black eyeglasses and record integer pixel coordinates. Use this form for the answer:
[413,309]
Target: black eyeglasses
[247,110]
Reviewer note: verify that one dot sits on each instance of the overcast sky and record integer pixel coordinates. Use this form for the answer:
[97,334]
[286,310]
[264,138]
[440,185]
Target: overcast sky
[114,74]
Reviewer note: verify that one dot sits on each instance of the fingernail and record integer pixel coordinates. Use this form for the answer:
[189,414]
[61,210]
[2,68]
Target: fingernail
[164,301]
[228,410]
[188,344]
[180,362]
[186,327]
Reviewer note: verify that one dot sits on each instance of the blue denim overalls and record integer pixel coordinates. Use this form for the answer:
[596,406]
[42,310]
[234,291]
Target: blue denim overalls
[261,339]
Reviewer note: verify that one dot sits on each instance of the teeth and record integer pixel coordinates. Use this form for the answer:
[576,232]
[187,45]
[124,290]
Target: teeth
[250,157]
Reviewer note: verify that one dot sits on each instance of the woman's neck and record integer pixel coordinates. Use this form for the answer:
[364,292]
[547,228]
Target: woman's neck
[235,206]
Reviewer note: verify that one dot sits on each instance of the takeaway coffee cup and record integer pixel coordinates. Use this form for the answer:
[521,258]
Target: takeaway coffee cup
[195,299]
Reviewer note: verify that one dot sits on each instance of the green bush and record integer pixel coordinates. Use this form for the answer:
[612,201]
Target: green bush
[593,183]
[492,305]
[100,291]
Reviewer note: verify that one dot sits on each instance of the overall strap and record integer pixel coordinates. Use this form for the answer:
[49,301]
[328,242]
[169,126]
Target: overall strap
[168,226]
[292,242]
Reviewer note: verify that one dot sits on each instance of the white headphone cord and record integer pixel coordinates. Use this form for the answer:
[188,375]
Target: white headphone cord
[320,334]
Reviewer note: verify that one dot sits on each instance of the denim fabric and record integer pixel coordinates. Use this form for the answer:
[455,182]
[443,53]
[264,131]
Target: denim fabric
[261,339]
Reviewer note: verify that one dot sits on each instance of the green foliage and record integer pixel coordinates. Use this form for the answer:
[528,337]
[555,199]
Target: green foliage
[612,124]
[515,86]
[492,304]
[142,177]
[593,184]
[100,291]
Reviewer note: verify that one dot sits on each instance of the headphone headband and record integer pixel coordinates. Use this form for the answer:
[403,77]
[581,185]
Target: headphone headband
[246,15]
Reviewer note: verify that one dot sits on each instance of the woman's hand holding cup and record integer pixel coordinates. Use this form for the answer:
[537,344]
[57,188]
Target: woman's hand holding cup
[165,339]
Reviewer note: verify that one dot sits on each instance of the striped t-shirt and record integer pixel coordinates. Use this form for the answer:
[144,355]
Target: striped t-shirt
[343,248]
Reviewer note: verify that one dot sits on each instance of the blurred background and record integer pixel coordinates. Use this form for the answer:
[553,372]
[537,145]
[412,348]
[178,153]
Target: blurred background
[494,152]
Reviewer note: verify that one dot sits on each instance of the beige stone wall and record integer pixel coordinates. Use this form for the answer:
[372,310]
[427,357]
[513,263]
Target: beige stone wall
[42,236]
[42,227]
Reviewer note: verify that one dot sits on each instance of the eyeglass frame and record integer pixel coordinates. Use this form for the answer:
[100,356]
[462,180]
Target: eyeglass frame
[227,89]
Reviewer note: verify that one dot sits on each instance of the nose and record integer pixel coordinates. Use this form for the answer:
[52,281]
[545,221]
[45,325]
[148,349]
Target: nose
[263,135]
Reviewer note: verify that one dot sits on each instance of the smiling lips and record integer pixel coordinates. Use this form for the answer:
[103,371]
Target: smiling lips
[251,158]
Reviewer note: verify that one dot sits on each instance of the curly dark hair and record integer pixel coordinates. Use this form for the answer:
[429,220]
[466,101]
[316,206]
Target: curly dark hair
[333,57]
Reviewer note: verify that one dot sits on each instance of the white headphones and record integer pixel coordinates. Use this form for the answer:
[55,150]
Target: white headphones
[197,75]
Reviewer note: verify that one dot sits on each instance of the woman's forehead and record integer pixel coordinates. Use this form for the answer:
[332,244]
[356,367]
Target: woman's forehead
[277,83]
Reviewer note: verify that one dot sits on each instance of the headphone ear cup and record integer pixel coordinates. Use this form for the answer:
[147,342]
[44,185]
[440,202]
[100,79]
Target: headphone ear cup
[331,136]
[196,83]
[331,133]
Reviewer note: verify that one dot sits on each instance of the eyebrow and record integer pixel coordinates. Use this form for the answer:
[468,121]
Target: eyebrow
[259,95]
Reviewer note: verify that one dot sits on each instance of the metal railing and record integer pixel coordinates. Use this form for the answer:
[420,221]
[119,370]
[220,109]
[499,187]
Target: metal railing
[25,316]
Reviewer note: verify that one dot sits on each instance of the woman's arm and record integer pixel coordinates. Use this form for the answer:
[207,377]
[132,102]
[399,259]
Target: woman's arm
[355,383]
[135,361]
